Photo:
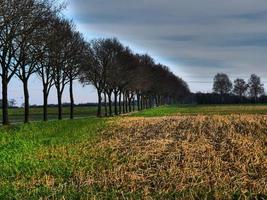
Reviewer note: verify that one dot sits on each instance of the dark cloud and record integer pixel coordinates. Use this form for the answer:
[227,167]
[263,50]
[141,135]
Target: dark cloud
[195,38]
[178,38]
[251,16]
[199,62]
[256,40]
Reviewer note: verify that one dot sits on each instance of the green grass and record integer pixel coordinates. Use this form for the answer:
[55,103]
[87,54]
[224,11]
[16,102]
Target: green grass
[202,110]
[42,159]
[59,159]
[36,114]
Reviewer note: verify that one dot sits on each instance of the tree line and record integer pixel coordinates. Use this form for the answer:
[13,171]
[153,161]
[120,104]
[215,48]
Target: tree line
[35,38]
[239,91]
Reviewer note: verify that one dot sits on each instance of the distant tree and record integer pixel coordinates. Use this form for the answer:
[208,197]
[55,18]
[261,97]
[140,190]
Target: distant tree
[144,81]
[103,70]
[127,78]
[256,88]
[240,88]
[114,49]
[222,84]
[12,103]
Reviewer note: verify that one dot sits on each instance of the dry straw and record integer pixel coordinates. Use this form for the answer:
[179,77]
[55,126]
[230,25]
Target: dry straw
[187,155]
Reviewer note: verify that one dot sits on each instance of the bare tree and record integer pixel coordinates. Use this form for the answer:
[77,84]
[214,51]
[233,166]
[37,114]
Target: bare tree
[61,50]
[35,38]
[222,84]
[77,52]
[94,70]
[12,15]
[27,43]
[45,55]
[45,69]
[20,21]
[100,68]
[240,88]
[256,88]
[144,81]
[113,70]
[124,76]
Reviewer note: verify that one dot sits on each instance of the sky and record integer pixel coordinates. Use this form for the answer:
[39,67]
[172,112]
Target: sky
[196,39]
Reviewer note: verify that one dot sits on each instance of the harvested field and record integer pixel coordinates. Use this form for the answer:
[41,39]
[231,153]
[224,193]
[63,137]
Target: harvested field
[178,157]
[187,157]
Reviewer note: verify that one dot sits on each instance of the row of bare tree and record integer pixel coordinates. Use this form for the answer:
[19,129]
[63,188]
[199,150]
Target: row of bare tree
[36,39]
[130,79]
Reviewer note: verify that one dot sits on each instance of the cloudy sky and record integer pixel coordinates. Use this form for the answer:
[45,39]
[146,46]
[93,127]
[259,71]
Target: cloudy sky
[196,39]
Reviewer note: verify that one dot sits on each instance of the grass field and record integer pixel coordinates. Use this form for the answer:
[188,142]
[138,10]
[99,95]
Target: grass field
[260,109]
[197,152]
[36,114]
[17,114]
[44,159]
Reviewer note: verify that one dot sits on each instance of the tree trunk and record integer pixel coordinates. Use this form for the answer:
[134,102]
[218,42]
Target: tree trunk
[120,103]
[126,103]
[110,104]
[123,103]
[71,100]
[59,100]
[99,103]
[144,103]
[4,99]
[115,102]
[105,102]
[150,102]
[45,97]
[221,95]
[26,101]
[156,100]
[130,104]
[133,101]
[141,102]
[138,101]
